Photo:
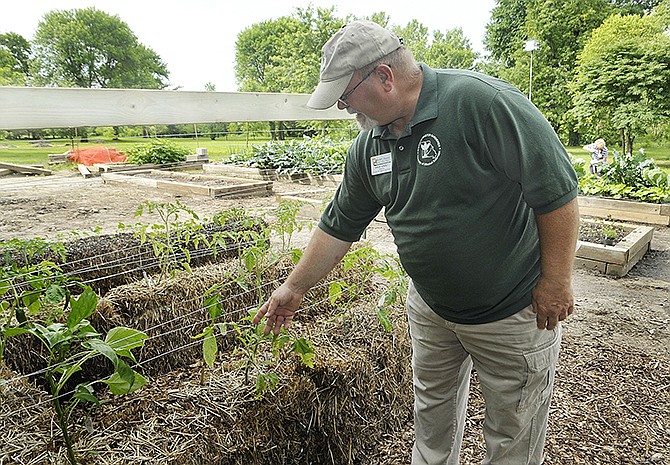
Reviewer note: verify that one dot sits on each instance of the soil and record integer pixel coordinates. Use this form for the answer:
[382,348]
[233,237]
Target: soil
[613,382]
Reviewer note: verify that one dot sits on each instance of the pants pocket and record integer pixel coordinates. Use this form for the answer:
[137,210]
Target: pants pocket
[540,369]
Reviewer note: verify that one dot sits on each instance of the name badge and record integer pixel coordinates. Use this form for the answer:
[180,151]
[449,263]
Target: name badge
[380,164]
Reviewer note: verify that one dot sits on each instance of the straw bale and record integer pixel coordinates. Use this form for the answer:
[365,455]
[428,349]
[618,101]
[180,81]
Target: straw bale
[106,261]
[170,311]
[25,419]
[336,412]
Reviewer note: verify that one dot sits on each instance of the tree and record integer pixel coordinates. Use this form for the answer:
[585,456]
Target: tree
[506,31]
[90,48]
[14,59]
[415,38]
[19,48]
[662,12]
[634,7]
[451,49]
[284,55]
[561,27]
[623,78]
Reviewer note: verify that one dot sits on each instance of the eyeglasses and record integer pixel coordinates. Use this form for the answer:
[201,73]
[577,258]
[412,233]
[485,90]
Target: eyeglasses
[343,100]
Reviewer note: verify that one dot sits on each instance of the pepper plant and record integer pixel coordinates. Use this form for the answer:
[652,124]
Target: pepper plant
[30,286]
[250,339]
[69,346]
[170,238]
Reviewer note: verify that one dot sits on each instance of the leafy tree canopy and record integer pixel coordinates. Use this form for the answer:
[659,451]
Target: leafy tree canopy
[561,28]
[19,48]
[90,48]
[623,79]
[284,55]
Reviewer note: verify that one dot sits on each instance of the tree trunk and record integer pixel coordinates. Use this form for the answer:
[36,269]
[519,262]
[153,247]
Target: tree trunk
[282,132]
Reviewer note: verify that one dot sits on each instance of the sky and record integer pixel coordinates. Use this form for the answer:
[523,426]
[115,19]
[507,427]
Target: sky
[196,38]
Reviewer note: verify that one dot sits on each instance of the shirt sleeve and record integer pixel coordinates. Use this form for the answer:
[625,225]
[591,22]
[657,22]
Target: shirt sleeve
[353,207]
[522,144]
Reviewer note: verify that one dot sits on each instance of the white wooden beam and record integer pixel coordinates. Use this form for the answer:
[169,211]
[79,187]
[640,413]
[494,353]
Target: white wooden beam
[52,107]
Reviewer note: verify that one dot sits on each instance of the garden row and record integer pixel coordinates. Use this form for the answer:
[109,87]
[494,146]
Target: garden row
[171,315]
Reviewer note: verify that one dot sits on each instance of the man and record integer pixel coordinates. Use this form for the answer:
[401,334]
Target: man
[481,198]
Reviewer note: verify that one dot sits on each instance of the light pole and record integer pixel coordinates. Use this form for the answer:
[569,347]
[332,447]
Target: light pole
[530,46]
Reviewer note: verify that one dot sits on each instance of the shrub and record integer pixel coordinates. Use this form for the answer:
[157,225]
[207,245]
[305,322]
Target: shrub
[157,151]
[629,176]
[315,156]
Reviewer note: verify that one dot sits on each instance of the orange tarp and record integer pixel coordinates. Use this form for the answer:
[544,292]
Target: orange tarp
[91,155]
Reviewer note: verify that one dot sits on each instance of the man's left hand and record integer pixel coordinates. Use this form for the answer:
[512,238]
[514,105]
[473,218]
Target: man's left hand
[552,302]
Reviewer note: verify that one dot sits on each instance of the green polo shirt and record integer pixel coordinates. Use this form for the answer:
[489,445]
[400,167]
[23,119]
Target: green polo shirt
[460,188]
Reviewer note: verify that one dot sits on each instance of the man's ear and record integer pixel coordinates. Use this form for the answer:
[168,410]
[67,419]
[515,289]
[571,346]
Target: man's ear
[385,74]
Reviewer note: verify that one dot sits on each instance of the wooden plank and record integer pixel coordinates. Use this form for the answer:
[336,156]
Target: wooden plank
[84,170]
[184,187]
[588,264]
[614,269]
[255,173]
[234,189]
[626,210]
[245,189]
[131,167]
[615,204]
[637,239]
[25,169]
[615,260]
[624,215]
[57,107]
[603,253]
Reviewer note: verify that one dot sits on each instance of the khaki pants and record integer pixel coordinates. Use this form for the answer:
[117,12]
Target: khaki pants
[515,363]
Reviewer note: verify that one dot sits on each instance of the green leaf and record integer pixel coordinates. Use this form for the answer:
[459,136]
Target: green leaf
[123,340]
[213,306]
[334,291]
[54,334]
[305,349]
[266,381]
[55,294]
[32,302]
[102,348]
[383,317]
[296,255]
[209,348]
[223,328]
[85,393]
[14,331]
[4,286]
[83,307]
[119,386]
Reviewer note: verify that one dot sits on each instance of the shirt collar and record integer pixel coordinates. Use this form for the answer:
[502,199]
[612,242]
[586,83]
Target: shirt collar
[426,105]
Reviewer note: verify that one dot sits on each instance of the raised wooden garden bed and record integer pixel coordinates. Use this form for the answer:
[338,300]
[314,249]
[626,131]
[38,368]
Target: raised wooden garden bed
[333,180]
[617,259]
[311,207]
[186,183]
[625,210]
[123,166]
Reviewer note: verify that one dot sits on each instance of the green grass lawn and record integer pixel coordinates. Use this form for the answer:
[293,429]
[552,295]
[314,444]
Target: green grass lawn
[660,154]
[23,152]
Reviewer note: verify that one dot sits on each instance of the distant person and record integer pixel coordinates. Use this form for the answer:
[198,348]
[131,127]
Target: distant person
[598,151]
[481,198]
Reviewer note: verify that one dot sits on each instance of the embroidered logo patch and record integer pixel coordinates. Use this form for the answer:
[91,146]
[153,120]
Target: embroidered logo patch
[428,150]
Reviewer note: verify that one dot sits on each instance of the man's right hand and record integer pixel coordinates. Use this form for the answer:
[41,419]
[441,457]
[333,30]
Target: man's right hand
[279,309]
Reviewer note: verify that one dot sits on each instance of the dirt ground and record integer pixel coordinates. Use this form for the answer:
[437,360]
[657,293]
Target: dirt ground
[613,384]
